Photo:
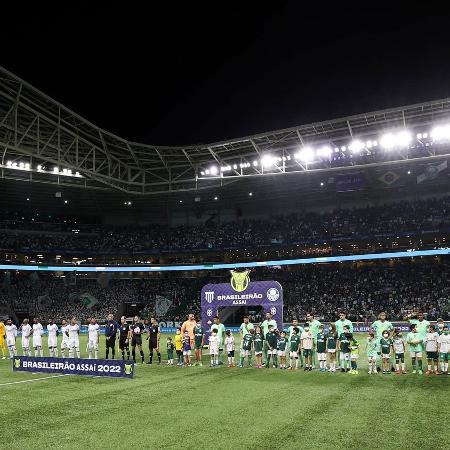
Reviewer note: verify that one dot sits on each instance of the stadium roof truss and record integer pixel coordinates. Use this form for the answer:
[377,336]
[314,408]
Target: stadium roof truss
[43,141]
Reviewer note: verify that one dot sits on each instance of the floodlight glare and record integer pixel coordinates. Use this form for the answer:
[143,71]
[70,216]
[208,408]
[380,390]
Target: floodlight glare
[55,170]
[306,154]
[324,151]
[267,160]
[441,133]
[403,138]
[39,167]
[387,141]
[356,146]
[213,170]
[22,165]
[9,163]
[255,163]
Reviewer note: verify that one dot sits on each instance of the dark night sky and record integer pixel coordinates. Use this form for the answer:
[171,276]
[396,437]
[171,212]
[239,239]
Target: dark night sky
[192,75]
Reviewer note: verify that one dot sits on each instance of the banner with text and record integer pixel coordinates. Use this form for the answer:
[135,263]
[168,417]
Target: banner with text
[75,366]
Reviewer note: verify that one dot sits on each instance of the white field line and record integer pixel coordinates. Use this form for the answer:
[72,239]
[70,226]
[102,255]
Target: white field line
[30,381]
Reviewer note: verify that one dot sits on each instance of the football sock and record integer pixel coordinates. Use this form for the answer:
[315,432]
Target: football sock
[413,362]
[159,356]
[241,361]
[123,354]
[151,357]
[134,355]
[107,352]
[142,355]
[420,364]
[249,360]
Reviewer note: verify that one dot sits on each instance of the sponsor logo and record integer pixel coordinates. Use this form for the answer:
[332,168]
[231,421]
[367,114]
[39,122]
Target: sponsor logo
[17,363]
[240,297]
[273,294]
[209,296]
[273,310]
[128,369]
[209,312]
[240,280]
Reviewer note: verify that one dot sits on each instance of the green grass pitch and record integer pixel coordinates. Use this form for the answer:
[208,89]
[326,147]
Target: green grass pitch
[203,407]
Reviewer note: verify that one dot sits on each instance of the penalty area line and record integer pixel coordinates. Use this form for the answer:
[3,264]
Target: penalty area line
[34,379]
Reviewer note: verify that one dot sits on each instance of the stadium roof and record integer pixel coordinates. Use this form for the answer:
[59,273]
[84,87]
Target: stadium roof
[43,141]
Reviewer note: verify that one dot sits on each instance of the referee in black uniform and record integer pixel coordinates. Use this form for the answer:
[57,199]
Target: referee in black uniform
[110,333]
[153,337]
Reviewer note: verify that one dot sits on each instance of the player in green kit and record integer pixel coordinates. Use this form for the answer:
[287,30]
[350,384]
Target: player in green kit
[386,349]
[379,326]
[247,345]
[332,338]
[269,321]
[372,350]
[294,348]
[258,342]
[170,349]
[344,349]
[272,341]
[354,354]
[321,348]
[282,344]
[314,328]
[421,327]
[295,324]
[415,341]
[199,336]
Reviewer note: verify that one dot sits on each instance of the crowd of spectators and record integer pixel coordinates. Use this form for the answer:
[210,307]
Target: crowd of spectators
[363,291]
[307,227]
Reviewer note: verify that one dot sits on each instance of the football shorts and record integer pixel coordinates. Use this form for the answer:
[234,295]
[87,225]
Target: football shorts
[293,354]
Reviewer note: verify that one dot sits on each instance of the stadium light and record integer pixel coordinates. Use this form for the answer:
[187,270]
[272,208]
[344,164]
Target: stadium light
[255,163]
[441,133]
[9,163]
[202,173]
[235,166]
[250,194]
[213,170]
[306,154]
[356,146]
[324,151]
[268,160]
[216,198]
[55,170]
[390,141]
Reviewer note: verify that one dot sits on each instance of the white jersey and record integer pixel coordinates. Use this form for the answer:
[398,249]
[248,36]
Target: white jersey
[73,332]
[444,342]
[11,333]
[52,330]
[64,330]
[26,333]
[38,330]
[431,342]
[214,342]
[307,340]
[229,343]
[398,345]
[52,335]
[93,332]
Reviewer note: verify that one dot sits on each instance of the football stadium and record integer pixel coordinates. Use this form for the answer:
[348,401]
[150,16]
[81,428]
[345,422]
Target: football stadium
[163,296]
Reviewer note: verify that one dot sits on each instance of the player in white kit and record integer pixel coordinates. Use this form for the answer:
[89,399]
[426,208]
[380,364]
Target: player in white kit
[52,329]
[26,333]
[74,338]
[93,332]
[38,331]
[11,334]
[65,338]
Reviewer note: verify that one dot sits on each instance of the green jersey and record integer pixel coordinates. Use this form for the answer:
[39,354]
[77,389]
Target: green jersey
[385,345]
[247,342]
[321,342]
[314,327]
[170,348]
[415,341]
[344,343]
[266,324]
[331,341]
[379,327]
[372,347]
[354,347]
[245,328]
[339,324]
[291,330]
[294,342]
[421,326]
[282,342]
[198,335]
[271,339]
[258,340]
[220,332]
